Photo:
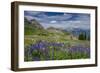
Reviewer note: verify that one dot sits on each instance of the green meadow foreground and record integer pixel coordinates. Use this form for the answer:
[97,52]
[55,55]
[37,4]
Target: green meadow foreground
[52,44]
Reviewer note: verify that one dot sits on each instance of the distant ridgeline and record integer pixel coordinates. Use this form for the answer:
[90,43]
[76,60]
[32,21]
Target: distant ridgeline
[34,27]
[31,27]
[79,32]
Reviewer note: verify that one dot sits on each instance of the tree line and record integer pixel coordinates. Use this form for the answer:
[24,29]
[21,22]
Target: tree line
[83,36]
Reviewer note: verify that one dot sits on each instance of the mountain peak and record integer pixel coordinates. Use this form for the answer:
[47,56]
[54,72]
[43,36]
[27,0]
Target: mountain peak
[33,23]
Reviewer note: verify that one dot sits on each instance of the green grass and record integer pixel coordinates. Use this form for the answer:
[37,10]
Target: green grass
[33,35]
[31,39]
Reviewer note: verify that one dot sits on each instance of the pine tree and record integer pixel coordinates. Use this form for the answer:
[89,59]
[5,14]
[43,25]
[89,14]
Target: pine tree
[85,36]
[81,36]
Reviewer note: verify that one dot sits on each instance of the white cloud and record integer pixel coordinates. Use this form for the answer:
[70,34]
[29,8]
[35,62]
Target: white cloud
[68,24]
[29,17]
[53,21]
[79,21]
[60,17]
[32,12]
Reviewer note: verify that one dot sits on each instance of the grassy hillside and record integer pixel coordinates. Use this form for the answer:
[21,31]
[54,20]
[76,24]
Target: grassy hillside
[52,44]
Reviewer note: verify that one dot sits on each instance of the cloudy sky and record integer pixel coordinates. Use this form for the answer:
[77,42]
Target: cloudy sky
[60,20]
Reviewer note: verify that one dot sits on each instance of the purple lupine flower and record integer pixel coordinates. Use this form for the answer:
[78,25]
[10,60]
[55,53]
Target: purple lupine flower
[76,49]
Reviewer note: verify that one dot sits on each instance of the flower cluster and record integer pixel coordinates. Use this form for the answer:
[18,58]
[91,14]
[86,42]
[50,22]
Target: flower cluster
[43,50]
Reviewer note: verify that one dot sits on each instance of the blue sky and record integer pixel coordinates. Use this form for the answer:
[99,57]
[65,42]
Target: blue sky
[60,20]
